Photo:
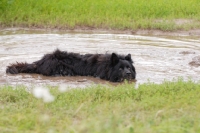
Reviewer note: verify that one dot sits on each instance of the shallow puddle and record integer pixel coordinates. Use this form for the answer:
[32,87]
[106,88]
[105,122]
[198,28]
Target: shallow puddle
[156,58]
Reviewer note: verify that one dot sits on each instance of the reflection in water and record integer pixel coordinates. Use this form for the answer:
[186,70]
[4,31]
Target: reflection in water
[156,58]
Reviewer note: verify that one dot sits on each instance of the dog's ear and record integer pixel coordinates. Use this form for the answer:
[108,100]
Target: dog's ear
[114,59]
[128,58]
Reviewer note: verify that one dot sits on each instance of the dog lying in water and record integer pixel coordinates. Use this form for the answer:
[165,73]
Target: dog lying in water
[112,67]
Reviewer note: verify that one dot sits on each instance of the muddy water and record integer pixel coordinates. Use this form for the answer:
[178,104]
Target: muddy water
[156,58]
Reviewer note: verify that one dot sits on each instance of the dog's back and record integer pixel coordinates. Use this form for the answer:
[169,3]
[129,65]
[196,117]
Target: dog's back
[111,67]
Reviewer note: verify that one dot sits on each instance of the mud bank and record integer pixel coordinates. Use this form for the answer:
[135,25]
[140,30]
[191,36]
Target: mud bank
[192,32]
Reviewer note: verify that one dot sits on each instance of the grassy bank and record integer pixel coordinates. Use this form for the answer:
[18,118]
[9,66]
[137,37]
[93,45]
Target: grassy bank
[169,107]
[112,14]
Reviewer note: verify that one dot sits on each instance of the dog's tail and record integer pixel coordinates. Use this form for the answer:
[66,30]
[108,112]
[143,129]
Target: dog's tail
[21,68]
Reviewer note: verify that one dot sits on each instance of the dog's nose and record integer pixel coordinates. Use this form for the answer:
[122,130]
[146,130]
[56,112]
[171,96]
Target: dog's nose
[128,73]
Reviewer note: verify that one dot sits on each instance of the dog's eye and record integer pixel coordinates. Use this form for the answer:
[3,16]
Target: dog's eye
[120,69]
[128,67]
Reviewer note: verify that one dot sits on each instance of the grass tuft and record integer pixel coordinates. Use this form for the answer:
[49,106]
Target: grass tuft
[112,14]
[167,107]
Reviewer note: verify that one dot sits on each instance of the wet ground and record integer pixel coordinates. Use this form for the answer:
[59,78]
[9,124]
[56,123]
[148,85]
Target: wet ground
[156,58]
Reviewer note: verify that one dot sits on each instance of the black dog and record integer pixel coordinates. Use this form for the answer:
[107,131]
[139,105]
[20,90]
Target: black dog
[110,67]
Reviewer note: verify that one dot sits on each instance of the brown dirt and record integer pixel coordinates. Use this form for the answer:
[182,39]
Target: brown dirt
[192,32]
[195,61]
[186,52]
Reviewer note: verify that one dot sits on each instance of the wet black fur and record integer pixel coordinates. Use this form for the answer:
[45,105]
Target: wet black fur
[110,67]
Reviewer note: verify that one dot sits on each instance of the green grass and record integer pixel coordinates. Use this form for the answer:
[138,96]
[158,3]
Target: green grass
[152,108]
[106,14]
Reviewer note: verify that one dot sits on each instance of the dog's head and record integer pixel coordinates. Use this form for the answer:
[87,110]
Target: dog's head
[122,68]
